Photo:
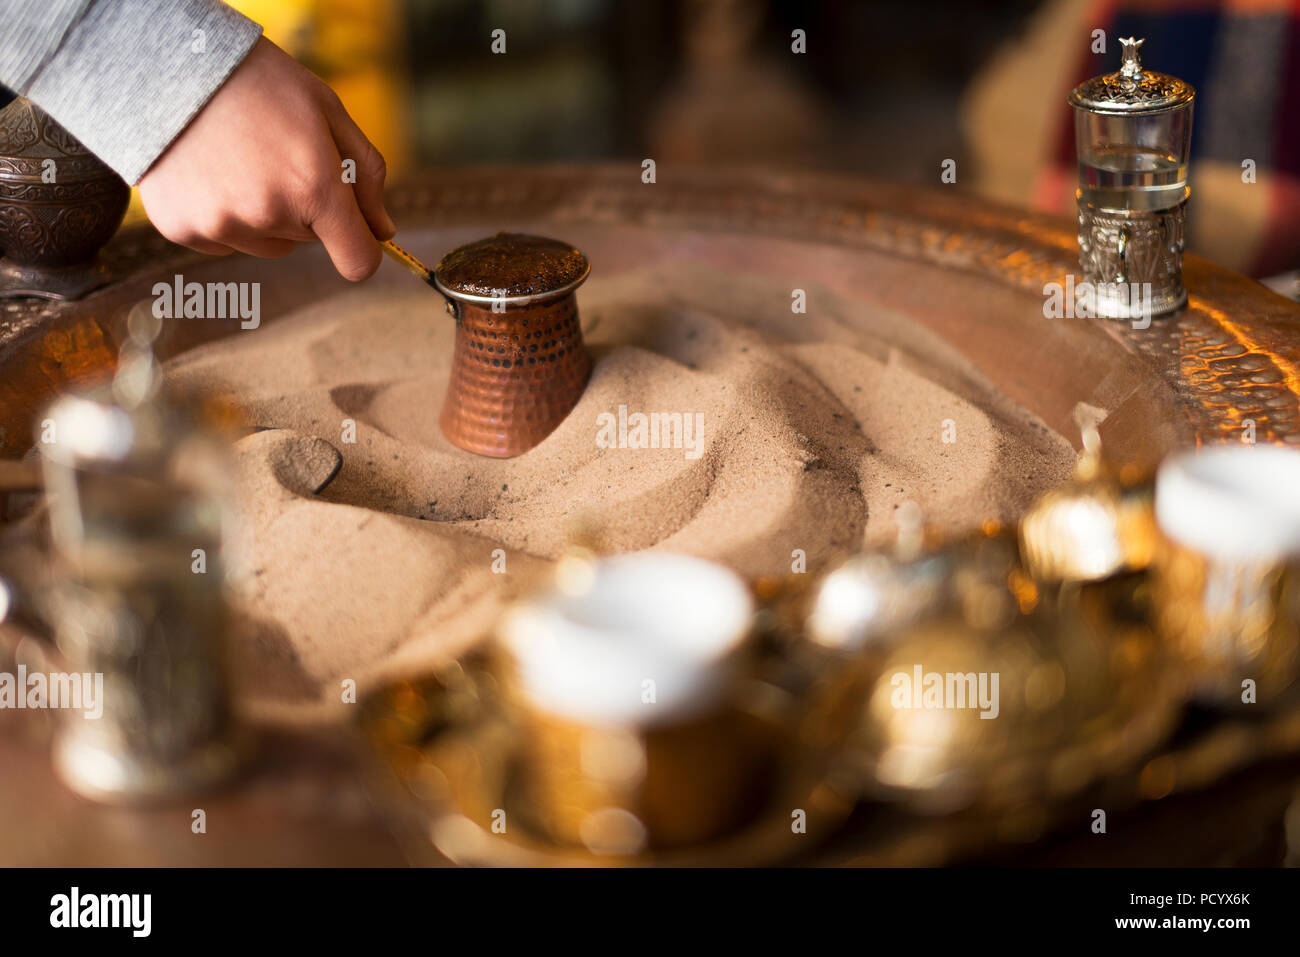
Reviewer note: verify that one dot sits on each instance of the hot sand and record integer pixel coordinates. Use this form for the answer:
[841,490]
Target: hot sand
[817,427]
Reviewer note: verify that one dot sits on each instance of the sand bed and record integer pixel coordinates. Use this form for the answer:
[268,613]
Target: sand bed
[816,428]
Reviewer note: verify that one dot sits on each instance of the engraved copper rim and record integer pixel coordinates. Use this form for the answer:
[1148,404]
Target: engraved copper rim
[1231,355]
[511,269]
[511,300]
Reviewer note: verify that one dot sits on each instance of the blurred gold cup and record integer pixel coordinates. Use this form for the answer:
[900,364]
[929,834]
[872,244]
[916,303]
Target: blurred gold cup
[1227,571]
[627,682]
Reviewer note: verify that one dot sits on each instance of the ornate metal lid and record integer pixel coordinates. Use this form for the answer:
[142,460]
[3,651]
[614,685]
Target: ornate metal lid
[28,135]
[1132,89]
[512,267]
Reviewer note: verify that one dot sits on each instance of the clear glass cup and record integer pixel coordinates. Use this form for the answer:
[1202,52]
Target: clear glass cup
[1134,161]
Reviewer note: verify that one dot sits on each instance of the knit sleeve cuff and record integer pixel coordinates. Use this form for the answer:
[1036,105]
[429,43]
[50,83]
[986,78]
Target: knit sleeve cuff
[131,74]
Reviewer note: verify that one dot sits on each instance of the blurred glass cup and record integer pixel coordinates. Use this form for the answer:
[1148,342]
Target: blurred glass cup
[1227,573]
[627,679]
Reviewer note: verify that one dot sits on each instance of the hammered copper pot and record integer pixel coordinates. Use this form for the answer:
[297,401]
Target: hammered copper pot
[519,364]
[59,205]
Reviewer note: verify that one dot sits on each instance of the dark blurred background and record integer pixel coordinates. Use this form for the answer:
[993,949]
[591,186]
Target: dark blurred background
[878,90]
[888,89]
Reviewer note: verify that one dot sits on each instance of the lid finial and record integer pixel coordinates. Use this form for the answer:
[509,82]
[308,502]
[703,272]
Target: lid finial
[1132,65]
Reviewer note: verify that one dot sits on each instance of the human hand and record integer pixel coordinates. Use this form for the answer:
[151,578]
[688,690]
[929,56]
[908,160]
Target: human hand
[260,168]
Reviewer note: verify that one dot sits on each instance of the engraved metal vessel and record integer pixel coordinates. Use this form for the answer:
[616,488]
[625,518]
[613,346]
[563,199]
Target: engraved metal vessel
[1133,133]
[1075,677]
[59,205]
[135,490]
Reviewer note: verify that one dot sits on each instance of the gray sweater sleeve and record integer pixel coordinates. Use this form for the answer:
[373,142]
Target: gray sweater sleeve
[124,76]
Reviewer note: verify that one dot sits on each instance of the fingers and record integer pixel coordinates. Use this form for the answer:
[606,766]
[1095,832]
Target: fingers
[222,234]
[347,236]
[206,246]
[370,169]
[263,247]
[287,182]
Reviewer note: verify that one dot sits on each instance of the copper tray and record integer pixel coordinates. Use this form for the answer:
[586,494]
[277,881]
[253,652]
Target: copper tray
[971,272]
[1233,354]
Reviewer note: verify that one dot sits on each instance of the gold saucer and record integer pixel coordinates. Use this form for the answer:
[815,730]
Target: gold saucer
[452,749]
